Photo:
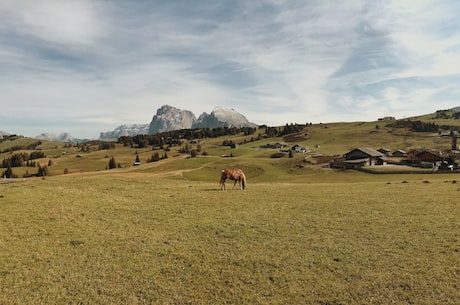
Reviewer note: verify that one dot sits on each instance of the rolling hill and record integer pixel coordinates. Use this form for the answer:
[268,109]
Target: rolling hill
[244,150]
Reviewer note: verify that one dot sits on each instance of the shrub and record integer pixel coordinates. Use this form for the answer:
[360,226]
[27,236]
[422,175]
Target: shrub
[278,155]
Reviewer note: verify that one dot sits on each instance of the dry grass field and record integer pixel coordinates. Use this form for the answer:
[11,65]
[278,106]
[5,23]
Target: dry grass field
[164,233]
[99,239]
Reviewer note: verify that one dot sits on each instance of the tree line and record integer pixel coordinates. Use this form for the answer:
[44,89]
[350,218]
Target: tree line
[419,126]
[22,159]
[175,137]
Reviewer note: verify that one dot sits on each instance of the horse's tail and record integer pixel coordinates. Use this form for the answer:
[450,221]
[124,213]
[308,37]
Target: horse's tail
[243,180]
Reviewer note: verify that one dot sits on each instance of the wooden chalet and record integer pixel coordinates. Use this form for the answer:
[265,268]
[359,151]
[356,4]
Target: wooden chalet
[418,156]
[384,151]
[359,157]
[364,157]
[299,149]
[399,153]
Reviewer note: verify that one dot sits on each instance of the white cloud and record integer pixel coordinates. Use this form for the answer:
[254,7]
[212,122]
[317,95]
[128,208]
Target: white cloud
[65,22]
[274,61]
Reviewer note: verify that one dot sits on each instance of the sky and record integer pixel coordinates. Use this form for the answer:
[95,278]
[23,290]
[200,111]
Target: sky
[85,67]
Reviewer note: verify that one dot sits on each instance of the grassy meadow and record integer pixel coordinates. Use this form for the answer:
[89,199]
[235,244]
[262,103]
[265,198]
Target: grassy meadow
[101,239]
[164,233]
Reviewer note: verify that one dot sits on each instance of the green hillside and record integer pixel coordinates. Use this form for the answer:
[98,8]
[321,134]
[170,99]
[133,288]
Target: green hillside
[164,233]
[210,154]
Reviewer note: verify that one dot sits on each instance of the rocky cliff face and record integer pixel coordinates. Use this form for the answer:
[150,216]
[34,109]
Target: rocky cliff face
[222,117]
[171,118]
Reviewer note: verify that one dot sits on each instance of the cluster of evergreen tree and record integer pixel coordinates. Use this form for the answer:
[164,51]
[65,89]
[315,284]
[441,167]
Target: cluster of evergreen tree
[95,145]
[42,172]
[156,157]
[227,142]
[106,145]
[175,137]
[8,173]
[273,132]
[417,126]
[113,163]
[22,159]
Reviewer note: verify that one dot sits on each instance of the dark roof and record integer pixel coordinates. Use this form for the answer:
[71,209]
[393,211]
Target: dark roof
[437,153]
[368,151]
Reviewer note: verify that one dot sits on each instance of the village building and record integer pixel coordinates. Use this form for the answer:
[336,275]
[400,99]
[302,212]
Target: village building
[299,149]
[384,151]
[364,156]
[399,153]
[359,157]
[137,162]
[419,156]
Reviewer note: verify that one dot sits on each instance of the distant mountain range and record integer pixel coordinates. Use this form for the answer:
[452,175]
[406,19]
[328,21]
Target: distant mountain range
[169,118]
[63,137]
[124,130]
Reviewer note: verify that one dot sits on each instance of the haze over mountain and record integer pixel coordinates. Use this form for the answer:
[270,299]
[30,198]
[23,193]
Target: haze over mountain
[63,137]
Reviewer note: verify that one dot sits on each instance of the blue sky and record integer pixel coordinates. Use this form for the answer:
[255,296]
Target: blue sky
[83,66]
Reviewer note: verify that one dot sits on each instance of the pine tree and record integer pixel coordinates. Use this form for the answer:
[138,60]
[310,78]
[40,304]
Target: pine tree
[8,173]
[112,163]
[155,157]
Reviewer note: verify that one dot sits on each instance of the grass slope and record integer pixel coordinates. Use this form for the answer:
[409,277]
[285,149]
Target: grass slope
[163,232]
[323,139]
[146,240]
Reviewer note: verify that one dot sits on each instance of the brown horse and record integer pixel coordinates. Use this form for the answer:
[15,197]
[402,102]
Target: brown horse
[235,174]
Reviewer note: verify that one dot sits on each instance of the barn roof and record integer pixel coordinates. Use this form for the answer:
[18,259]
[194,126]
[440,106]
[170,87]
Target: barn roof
[368,151]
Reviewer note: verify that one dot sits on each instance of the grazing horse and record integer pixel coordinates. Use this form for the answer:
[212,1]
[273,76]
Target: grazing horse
[235,174]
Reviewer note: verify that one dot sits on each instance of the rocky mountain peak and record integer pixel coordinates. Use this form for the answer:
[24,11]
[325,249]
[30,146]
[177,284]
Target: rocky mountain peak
[222,117]
[171,118]
[124,130]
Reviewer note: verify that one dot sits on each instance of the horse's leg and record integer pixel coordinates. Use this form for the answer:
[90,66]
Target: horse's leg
[236,180]
[222,184]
